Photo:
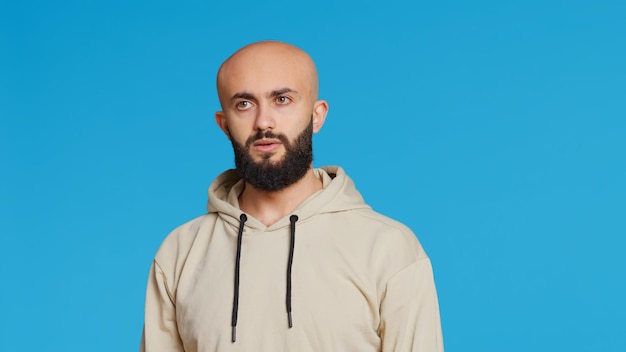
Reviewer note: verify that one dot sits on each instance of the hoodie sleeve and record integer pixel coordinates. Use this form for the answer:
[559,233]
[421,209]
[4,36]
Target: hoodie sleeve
[160,331]
[410,311]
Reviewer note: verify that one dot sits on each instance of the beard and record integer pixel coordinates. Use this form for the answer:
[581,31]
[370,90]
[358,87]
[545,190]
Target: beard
[275,176]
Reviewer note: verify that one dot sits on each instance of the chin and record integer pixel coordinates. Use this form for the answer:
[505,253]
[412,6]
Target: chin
[270,157]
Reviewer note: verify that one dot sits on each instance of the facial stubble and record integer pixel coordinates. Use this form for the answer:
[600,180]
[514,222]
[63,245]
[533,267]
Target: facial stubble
[268,175]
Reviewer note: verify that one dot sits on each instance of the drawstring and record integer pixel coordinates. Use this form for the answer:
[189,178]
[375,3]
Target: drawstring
[242,221]
[233,323]
[293,220]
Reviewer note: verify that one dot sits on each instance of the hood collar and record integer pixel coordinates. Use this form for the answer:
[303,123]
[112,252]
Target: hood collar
[338,194]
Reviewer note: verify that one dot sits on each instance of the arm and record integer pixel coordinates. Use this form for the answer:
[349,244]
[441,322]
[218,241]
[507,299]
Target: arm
[410,311]
[160,331]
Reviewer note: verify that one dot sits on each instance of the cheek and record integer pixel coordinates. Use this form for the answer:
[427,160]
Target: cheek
[241,140]
[237,133]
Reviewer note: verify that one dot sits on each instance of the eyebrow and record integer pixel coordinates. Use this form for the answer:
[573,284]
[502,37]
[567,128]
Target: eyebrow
[281,91]
[274,93]
[242,95]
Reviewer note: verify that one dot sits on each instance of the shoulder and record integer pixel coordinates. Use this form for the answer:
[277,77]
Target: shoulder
[176,246]
[384,245]
[392,233]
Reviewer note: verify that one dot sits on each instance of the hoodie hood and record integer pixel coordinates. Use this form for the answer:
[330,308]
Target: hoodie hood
[338,194]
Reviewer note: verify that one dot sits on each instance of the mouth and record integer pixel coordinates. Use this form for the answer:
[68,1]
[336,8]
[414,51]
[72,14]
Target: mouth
[266,145]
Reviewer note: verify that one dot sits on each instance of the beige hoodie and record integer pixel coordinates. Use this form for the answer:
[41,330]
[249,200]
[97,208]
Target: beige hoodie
[360,281]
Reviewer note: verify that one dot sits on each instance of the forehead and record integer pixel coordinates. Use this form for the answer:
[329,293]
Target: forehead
[264,67]
[263,73]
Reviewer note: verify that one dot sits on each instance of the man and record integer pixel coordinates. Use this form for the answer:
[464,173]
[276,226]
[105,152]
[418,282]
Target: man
[288,258]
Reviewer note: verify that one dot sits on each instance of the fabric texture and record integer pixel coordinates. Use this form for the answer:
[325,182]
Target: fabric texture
[359,281]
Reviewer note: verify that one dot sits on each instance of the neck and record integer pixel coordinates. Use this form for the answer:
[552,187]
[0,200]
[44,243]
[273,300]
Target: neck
[270,206]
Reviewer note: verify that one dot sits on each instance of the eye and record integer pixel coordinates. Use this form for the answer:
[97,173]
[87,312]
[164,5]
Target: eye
[243,105]
[283,100]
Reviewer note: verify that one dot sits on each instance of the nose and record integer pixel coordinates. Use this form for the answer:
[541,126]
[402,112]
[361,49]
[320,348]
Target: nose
[264,119]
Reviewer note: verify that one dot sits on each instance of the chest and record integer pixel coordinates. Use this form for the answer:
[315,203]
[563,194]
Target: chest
[334,298]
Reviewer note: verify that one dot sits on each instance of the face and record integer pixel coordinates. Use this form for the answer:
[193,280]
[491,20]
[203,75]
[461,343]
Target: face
[269,113]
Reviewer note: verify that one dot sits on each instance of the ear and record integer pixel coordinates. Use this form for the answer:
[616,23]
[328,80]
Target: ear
[320,109]
[220,119]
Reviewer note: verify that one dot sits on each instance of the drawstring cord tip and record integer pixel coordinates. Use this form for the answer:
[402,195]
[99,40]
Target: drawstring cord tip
[234,334]
[290,321]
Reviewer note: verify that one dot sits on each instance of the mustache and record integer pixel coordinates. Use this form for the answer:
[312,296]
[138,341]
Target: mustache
[266,134]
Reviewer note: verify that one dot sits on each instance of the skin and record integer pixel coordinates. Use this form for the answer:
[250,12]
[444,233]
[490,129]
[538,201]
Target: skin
[270,86]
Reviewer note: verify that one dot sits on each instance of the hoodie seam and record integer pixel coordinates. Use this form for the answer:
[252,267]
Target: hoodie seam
[165,283]
[394,275]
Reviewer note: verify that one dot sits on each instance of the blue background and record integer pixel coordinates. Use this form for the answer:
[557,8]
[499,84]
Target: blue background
[495,130]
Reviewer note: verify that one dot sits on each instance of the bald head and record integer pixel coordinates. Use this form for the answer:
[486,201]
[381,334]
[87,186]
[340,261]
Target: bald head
[267,63]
